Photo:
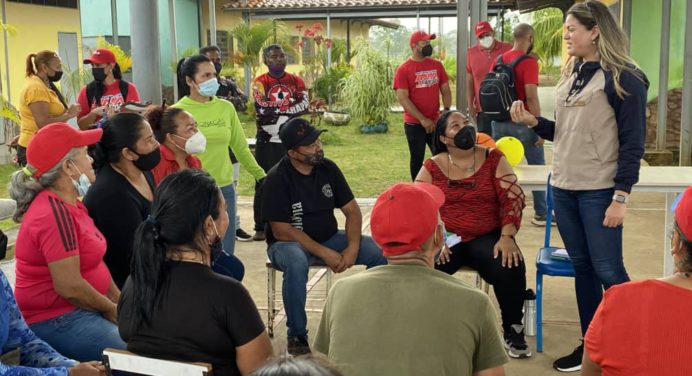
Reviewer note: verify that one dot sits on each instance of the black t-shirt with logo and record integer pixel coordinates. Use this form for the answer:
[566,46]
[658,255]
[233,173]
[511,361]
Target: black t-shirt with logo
[307,202]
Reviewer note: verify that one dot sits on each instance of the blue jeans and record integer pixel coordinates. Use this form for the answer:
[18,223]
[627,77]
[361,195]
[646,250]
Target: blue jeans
[229,239]
[595,250]
[534,154]
[229,265]
[293,260]
[80,334]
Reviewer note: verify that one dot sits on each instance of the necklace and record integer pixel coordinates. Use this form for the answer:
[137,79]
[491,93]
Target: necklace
[471,168]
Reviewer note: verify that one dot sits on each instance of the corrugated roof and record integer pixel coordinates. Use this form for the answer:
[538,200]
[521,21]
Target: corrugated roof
[311,4]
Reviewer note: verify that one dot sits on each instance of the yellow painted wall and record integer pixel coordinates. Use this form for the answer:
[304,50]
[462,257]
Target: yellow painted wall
[37,29]
[228,20]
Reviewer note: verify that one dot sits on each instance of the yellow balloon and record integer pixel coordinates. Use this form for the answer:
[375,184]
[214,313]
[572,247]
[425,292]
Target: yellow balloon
[512,148]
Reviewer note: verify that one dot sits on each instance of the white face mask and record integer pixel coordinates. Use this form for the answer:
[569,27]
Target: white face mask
[83,183]
[196,144]
[486,42]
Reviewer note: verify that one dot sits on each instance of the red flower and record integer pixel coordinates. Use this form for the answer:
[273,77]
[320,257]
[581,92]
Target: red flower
[309,33]
[318,40]
[317,26]
[328,43]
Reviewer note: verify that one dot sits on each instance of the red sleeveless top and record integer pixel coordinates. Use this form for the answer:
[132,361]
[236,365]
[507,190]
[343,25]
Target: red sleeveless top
[478,204]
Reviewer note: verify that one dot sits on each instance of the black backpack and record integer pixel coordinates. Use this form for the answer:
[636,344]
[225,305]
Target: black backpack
[497,91]
[94,92]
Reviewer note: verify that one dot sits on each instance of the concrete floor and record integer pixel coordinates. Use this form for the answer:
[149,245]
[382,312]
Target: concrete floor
[643,258]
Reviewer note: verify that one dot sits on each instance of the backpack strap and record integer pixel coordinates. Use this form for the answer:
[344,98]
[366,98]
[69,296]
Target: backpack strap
[517,60]
[499,61]
[124,88]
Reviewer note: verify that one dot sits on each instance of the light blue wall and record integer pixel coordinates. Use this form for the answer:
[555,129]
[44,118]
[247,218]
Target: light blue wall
[96,20]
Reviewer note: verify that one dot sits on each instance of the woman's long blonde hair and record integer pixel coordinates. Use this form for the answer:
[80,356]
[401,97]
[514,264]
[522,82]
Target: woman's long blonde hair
[612,42]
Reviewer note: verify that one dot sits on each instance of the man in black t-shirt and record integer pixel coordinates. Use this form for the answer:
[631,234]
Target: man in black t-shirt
[299,196]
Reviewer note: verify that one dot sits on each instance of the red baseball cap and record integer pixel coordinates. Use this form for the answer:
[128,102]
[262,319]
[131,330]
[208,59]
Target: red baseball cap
[683,213]
[418,36]
[404,216]
[101,56]
[52,143]
[483,27]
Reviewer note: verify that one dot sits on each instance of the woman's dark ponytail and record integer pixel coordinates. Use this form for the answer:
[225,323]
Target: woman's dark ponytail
[146,267]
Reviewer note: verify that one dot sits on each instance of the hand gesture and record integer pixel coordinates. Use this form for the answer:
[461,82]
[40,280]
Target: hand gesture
[615,214]
[98,110]
[511,254]
[87,369]
[73,110]
[444,256]
[333,259]
[520,115]
[348,258]
[428,125]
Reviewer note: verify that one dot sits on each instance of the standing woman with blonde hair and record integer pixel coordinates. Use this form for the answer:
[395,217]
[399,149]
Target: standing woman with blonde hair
[598,134]
[40,102]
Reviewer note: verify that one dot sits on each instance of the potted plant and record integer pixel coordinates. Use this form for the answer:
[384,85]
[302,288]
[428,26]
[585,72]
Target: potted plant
[367,91]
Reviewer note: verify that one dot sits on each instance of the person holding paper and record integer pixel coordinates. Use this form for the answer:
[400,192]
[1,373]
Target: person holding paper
[483,206]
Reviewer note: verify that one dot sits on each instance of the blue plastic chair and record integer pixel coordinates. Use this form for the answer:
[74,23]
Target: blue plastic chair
[545,265]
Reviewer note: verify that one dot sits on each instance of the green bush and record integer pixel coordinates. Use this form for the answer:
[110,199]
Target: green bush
[327,85]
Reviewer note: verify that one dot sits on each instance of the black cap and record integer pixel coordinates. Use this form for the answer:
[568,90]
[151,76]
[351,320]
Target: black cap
[298,132]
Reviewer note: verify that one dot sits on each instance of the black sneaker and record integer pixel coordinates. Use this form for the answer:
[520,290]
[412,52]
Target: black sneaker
[571,362]
[515,344]
[242,236]
[259,236]
[298,345]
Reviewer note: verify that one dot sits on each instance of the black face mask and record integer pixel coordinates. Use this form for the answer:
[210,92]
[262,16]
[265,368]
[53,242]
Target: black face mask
[465,139]
[146,162]
[427,51]
[99,74]
[314,159]
[217,67]
[55,77]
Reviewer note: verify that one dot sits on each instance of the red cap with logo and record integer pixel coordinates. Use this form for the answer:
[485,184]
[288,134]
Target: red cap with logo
[405,216]
[418,36]
[683,214]
[52,143]
[101,56]
[483,27]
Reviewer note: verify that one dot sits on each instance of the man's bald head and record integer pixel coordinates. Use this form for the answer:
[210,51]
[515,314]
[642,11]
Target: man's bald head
[523,31]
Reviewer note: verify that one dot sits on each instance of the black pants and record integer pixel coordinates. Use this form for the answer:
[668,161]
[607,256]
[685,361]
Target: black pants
[21,155]
[417,139]
[267,155]
[509,284]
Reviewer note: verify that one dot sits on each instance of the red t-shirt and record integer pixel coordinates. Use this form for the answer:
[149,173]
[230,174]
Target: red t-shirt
[642,328]
[112,97]
[53,230]
[525,73]
[478,63]
[169,165]
[422,79]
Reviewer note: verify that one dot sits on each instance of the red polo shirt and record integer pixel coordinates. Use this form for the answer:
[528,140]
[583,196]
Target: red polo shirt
[478,63]
[169,165]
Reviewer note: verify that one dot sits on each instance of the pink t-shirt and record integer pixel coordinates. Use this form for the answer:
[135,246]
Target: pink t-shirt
[53,230]
[422,79]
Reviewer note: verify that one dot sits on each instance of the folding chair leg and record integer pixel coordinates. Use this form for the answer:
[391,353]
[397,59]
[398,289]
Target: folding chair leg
[271,296]
[539,312]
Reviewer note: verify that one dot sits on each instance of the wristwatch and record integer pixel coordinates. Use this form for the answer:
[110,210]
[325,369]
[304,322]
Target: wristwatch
[620,198]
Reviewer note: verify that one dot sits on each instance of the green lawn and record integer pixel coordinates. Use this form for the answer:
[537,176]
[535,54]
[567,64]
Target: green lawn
[370,162]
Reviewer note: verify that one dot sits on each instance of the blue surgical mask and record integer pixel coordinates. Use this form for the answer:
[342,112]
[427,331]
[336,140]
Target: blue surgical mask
[209,88]
[82,184]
